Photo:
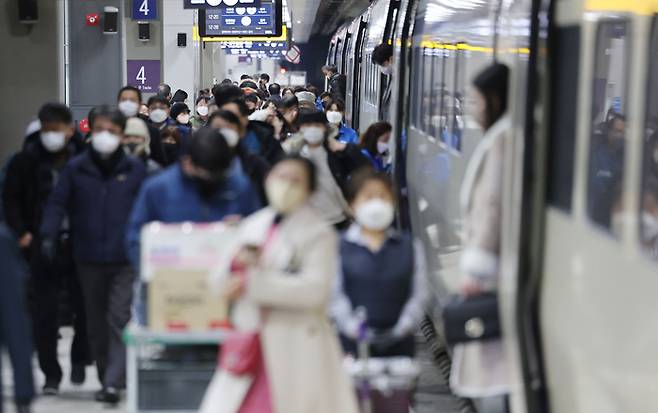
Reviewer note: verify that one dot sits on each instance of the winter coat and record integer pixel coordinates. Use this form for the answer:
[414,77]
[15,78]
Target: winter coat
[172,197]
[29,180]
[338,86]
[479,369]
[98,206]
[269,148]
[292,286]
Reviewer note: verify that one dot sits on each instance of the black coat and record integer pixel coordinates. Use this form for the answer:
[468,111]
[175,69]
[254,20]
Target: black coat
[344,163]
[271,150]
[29,180]
[338,86]
[98,206]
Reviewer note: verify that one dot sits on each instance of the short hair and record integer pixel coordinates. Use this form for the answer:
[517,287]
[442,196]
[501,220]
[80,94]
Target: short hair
[241,104]
[330,68]
[132,89]
[201,98]
[226,81]
[362,177]
[338,102]
[158,99]
[289,102]
[371,136]
[249,84]
[382,53]
[313,89]
[55,112]
[311,116]
[265,77]
[245,76]
[226,92]
[209,150]
[164,90]
[226,115]
[274,89]
[113,115]
[325,95]
[298,89]
[253,98]
[309,166]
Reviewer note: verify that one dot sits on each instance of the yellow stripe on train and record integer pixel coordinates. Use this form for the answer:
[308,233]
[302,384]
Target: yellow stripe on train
[642,7]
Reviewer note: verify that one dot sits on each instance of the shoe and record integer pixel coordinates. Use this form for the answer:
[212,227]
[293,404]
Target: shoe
[51,388]
[109,396]
[78,374]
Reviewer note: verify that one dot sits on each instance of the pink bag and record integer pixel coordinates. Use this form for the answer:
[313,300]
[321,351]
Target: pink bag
[241,354]
[258,399]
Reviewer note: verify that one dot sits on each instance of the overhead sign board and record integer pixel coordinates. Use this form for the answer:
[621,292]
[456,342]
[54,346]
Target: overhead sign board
[145,10]
[209,4]
[270,50]
[144,74]
[262,21]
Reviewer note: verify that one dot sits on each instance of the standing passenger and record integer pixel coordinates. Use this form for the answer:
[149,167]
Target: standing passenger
[479,368]
[382,56]
[202,113]
[375,145]
[336,116]
[380,270]
[290,255]
[96,191]
[129,100]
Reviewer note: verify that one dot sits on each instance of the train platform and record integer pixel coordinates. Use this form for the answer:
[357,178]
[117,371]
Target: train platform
[432,396]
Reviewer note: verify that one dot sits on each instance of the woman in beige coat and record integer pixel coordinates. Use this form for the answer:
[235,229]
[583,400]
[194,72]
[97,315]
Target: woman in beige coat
[287,294]
[479,368]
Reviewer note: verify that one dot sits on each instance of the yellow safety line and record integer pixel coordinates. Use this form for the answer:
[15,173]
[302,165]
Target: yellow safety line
[641,7]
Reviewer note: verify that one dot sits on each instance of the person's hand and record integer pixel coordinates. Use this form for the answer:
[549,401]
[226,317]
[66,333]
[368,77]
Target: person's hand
[233,289]
[25,241]
[470,287]
[336,146]
[277,124]
[248,255]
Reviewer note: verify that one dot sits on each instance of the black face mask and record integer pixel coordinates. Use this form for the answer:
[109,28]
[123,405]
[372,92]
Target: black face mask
[170,151]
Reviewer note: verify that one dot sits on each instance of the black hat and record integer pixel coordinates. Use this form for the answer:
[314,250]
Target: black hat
[179,96]
[311,117]
[179,108]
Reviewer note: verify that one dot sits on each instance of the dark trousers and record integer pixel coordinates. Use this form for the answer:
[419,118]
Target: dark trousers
[108,293]
[47,282]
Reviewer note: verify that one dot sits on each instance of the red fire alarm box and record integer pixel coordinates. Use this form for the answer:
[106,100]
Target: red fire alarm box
[93,19]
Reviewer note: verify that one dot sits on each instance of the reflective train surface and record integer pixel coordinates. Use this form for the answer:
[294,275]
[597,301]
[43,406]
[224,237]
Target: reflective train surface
[580,230]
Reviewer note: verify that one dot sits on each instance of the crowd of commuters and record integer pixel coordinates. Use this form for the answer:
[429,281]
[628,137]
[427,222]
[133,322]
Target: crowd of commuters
[316,202]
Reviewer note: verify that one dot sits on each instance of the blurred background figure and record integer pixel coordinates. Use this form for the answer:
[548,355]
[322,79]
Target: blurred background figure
[374,145]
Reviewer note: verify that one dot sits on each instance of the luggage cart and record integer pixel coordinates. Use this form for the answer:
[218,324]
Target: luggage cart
[156,386]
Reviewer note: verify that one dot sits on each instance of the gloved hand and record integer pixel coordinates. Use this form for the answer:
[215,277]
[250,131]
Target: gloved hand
[48,250]
[383,341]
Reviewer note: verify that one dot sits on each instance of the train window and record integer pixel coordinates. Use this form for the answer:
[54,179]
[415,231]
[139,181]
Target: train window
[458,100]
[608,131]
[447,96]
[427,90]
[649,197]
[416,98]
[562,133]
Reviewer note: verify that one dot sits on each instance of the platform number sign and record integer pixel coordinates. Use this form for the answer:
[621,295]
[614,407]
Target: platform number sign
[144,75]
[145,10]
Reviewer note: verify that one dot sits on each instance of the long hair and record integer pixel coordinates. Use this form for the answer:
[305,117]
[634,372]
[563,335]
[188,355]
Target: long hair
[492,83]
[371,135]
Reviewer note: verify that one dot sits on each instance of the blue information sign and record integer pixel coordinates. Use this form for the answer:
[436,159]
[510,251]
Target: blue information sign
[143,74]
[145,10]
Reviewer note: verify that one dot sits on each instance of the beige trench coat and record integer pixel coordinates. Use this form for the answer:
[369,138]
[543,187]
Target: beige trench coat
[292,288]
[479,369]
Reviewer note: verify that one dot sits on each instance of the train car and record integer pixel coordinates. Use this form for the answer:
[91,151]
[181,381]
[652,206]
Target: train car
[354,54]
[580,224]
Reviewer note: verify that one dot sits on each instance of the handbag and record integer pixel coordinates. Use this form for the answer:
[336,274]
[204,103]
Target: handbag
[472,318]
[241,353]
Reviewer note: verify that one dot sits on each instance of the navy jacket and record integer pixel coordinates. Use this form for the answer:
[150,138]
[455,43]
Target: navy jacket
[14,323]
[97,205]
[172,197]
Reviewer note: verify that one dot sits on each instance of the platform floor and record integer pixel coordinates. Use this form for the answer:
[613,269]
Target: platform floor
[433,395]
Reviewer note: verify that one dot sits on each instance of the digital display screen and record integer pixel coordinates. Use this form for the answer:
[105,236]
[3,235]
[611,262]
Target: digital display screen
[256,49]
[209,4]
[264,20]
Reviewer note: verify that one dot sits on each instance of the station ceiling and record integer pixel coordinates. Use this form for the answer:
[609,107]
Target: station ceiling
[311,17]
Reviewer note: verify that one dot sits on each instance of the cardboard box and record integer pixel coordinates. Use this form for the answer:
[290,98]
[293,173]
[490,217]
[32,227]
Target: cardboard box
[176,263]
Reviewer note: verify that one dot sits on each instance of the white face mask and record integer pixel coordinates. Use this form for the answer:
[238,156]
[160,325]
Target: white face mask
[105,143]
[334,117]
[53,141]
[313,134]
[382,147]
[231,136]
[183,118]
[284,196]
[649,226]
[375,214]
[387,70]
[158,115]
[202,110]
[129,108]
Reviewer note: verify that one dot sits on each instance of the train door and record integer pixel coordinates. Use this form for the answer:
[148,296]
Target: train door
[355,57]
[598,314]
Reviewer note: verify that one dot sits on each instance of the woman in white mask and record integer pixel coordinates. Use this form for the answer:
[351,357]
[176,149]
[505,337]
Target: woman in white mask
[375,145]
[180,113]
[336,117]
[280,284]
[382,271]
[335,163]
[129,101]
[202,110]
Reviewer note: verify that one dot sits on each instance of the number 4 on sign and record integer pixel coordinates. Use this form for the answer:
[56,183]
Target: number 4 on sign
[144,8]
[141,75]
